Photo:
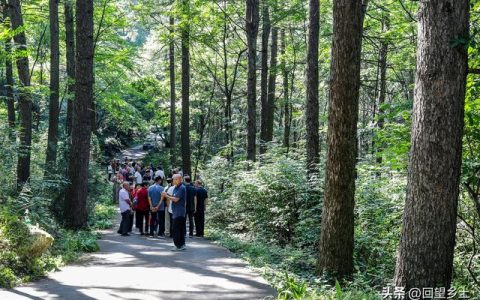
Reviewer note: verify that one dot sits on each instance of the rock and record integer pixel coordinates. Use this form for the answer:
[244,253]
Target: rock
[40,241]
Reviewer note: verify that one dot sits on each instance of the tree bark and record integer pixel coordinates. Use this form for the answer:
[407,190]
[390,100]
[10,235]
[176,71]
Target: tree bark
[173,128]
[252,20]
[311,105]
[76,197]
[425,257]
[264,78]
[186,161]
[51,155]
[286,102]
[25,102]
[272,85]
[70,58]
[336,240]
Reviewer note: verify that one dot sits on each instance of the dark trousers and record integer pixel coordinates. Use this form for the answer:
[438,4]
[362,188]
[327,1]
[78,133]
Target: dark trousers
[130,222]
[141,215]
[161,222]
[199,223]
[190,223]
[153,221]
[179,231]
[125,223]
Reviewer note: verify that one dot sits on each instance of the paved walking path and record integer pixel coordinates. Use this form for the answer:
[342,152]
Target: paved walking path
[138,267]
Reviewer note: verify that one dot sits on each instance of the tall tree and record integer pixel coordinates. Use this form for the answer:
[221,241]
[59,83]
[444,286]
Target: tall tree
[9,73]
[76,196]
[311,105]
[425,257]
[185,36]
[173,128]
[382,67]
[70,58]
[252,20]
[286,103]
[25,102]
[272,81]
[53,109]
[336,240]
[264,77]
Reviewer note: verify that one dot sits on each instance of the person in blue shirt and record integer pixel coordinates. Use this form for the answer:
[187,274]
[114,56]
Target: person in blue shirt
[190,206]
[201,199]
[179,210]
[157,208]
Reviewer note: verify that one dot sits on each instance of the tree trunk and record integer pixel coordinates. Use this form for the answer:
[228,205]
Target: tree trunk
[51,155]
[382,61]
[70,58]
[425,257]
[336,240]
[252,20]
[76,197]
[264,78]
[9,84]
[311,105]
[25,102]
[186,161]
[271,86]
[286,102]
[173,131]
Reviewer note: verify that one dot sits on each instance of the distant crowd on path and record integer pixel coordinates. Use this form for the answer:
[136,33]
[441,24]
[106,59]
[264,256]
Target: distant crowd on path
[159,211]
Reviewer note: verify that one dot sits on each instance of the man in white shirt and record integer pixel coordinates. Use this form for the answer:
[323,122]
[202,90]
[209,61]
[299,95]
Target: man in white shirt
[138,176]
[168,212]
[124,204]
[160,173]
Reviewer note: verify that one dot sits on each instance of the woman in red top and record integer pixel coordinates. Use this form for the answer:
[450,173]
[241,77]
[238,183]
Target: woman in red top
[142,208]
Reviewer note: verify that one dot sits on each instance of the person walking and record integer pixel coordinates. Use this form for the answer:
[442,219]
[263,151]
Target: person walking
[201,199]
[178,200]
[124,204]
[190,206]
[157,206]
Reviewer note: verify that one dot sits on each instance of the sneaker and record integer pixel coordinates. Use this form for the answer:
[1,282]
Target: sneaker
[183,248]
[161,237]
[125,234]
[175,249]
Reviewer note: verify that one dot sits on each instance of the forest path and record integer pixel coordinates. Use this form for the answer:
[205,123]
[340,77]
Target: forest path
[138,267]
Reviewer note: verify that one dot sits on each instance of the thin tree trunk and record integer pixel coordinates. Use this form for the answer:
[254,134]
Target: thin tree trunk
[270,114]
[51,155]
[76,197]
[70,58]
[286,104]
[173,131]
[264,78]
[9,84]
[252,20]
[25,102]
[311,105]
[336,240]
[383,84]
[186,160]
[425,257]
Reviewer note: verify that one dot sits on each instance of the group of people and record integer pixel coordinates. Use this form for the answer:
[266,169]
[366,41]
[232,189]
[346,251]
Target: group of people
[159,211]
